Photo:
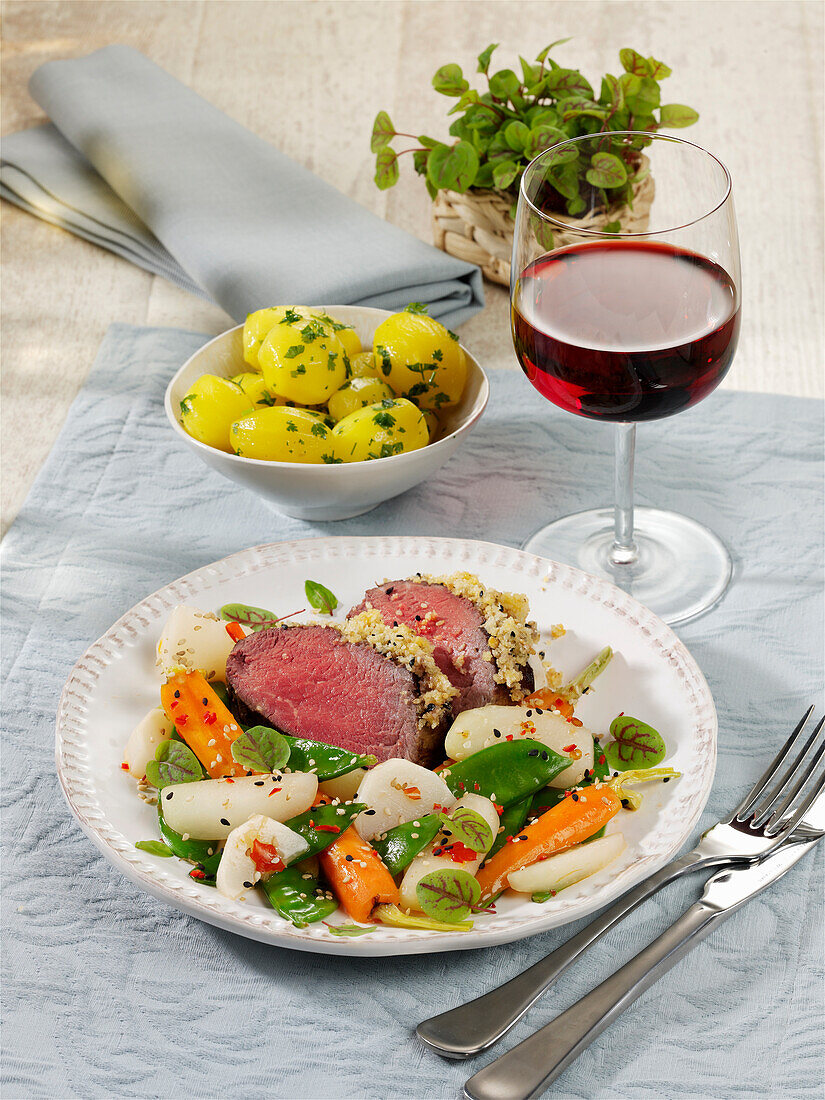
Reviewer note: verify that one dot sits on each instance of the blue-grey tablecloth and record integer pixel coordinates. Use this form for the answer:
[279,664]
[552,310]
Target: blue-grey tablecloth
[109,993]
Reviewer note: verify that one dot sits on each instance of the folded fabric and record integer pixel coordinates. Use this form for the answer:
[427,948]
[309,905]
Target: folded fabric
[140,164]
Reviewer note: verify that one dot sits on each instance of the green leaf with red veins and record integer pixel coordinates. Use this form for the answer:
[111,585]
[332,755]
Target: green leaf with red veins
[383,132]
[633,62]
[253,618]
[448,895]
[637,745]
[260,749]
[174,763]
[676,115]
[469,828]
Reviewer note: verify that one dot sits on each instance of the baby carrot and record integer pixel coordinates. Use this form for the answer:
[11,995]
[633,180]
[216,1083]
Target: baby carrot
[573,820]
[358,876]
[203,722]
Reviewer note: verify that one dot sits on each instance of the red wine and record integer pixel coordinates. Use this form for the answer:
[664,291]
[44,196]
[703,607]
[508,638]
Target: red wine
[619,330]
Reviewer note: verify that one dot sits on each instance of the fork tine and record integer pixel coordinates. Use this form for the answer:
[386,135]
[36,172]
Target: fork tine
[775,818]
[747,804]
[766,810]
[787,826]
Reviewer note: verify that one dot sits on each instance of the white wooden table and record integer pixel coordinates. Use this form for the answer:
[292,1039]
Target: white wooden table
[310,77]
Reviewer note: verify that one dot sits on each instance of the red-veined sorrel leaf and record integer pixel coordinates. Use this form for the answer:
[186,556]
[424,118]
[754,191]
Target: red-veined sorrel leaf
[447,895]
[637,745]
[254,618]
[470,829]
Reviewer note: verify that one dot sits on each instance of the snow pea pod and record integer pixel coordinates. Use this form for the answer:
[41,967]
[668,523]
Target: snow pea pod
[401,845]
[205,853]
[327,761]
[506,772]
[321,825]
[293,896]
[511,821]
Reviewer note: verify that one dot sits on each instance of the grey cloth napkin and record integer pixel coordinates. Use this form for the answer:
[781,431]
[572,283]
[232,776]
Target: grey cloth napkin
[140,164]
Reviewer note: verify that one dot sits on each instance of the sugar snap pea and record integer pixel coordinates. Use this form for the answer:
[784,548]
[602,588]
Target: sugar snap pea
[399,846]
[205,853]
[506,772]
[511,821]
[293,894]
[321,825]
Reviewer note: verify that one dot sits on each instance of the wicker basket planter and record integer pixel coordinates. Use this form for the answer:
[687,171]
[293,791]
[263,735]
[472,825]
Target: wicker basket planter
[477,227]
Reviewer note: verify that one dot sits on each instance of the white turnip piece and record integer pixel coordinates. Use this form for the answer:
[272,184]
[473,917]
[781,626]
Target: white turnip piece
[473,730]
[565,868]
[212,808]
[194,639]
[237,871]
[144,740]
[399,791]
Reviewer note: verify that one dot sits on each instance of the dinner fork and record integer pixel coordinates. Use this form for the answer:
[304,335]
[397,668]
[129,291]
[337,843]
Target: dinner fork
[763,820]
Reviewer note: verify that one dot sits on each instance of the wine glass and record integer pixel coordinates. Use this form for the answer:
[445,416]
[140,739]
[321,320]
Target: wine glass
[623,315]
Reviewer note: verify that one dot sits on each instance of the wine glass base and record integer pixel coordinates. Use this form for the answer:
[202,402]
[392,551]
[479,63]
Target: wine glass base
[682,569]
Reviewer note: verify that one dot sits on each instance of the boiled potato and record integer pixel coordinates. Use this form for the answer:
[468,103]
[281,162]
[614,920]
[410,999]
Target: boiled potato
[433,426]
[210,407]
[305,365]
[258,324]
[356,394]
[345,333]
[378,431]
[253,385]
[421,360]
[363,365]
[283,434]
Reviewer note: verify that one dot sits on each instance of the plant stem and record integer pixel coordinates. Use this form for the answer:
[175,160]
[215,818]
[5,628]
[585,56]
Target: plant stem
[624,551]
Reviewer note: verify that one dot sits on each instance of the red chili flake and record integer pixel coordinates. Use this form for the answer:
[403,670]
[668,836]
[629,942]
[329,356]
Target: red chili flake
[197,873]
[228,780]
[181,719]
[509,737]
[266,857]
[125,766]
[209,718]
[602,758]
[324,828]
[576,722]
[460,853]
[568,748]
[173,704]
[275,791]
[499,809]
[413,792]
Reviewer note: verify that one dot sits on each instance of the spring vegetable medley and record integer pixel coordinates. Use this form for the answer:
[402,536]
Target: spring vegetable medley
[310,393]
[527,800]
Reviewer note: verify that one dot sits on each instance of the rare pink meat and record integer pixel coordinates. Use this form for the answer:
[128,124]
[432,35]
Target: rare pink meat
[454,628]
[308,681]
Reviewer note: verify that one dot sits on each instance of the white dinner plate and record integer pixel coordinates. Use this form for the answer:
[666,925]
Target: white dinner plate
[652,677]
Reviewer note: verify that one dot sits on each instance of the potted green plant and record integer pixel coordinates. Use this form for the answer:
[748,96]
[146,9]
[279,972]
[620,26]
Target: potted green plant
[474,181]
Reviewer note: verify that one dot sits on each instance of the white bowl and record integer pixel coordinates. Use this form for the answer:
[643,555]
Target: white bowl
[309,491]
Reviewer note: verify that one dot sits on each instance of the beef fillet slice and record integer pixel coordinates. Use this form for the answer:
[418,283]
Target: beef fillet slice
[351,686]
[480,638]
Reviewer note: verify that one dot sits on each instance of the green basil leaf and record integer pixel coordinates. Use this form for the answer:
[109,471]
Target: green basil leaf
[350,929]
[154,847]
[386,168]
[254,618]
[320,597]
[448,895]
[383,132]
[637,745]
[260,749]
[449,80]
[470,829]
[607,171]
[677,115]
[453,168]
[484,58]
[174,763]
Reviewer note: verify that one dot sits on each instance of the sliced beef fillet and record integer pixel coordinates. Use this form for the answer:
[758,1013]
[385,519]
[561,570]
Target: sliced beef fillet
[454,627]
[309,681]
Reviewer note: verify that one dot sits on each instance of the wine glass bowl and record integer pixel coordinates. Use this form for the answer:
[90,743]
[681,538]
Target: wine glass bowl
[629,325]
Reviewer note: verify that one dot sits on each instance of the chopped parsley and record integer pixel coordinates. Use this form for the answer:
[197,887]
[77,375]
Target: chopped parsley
[384,420]
[298,370]
[319,429]
[438,354]
[333,355]
[290,317]
[417,307]
[452,335]
[291,426]
[296,349]
[336,326]
[386,362]
[331,460]
[441,399]
[186,405]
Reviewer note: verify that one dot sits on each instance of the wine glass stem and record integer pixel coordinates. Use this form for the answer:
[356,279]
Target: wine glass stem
[623,550]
